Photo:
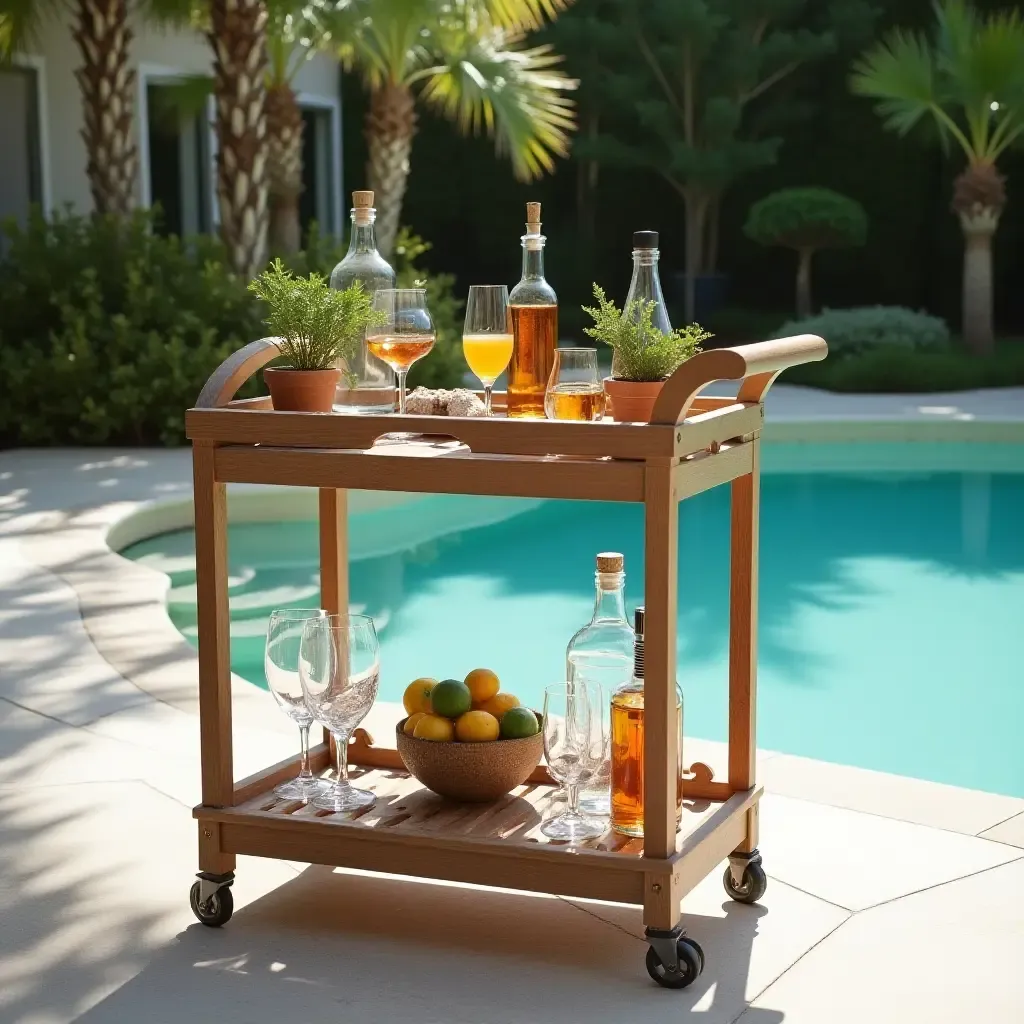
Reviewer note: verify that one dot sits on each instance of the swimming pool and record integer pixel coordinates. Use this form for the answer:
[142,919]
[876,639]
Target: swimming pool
[892,600]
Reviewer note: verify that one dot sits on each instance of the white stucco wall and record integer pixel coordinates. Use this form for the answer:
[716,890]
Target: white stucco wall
[182,51]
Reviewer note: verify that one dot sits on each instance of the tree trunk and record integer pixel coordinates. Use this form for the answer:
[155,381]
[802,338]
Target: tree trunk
[977,294]
[714,216]
[696,203]
[108,100]
[390,126]
[804,307]
[238,38]
[284,168]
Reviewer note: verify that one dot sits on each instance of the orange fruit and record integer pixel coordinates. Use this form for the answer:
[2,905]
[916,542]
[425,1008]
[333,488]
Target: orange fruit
[499,704]
[476,727]
[434,727]
[483,685]
[417,695]
[410,723]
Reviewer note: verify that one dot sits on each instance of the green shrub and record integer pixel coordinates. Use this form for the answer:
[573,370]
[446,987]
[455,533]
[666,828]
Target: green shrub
[854,331]
[807,218]
[109,330]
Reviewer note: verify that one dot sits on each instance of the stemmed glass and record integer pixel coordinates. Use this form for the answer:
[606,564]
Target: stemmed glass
[571,716]
[281,666]
[574,390]
[607,671]
[487,335]
[407,333]
[339,667]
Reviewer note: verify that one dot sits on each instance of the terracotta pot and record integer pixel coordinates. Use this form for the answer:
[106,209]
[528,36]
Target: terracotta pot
[474,772]
[632,401]
[301,390]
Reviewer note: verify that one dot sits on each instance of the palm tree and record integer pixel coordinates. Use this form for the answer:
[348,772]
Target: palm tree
[465,59]
[107,83]
[968,78]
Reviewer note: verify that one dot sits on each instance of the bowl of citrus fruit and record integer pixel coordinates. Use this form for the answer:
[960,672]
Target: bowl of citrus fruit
[466,739]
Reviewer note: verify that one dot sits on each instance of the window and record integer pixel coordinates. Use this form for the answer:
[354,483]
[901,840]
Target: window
[178,169]
[321,186]
[20,161]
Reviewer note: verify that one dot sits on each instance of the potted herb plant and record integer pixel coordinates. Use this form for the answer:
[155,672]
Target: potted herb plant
[317,327]
[645,356]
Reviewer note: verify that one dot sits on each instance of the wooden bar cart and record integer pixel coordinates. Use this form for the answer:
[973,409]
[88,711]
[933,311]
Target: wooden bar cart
[691,444]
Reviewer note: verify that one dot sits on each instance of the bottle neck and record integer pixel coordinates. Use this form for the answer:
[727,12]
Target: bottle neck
[533,257]
[363,237]
[610,601]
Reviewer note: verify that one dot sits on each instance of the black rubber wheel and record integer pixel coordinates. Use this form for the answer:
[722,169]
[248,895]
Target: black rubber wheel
[217,909]
[755,881]
[691,963]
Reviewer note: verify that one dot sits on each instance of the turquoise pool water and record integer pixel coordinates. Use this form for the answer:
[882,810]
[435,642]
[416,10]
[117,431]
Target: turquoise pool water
[892,601]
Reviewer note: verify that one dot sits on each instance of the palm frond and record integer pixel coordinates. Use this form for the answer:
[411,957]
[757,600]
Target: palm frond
[20,21]
[386,40]
[517,95]
[521,15]
[898,72]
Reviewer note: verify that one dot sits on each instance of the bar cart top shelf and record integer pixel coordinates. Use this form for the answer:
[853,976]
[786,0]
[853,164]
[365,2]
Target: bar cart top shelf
[517,458]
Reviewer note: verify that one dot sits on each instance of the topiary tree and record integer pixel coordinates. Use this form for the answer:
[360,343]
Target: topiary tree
[806,219]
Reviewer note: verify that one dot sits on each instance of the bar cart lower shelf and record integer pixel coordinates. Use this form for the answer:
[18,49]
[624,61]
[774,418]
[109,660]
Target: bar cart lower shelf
[692,443]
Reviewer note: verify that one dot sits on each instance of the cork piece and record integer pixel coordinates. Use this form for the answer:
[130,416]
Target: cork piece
[362,199]
[610,561]
[533,218]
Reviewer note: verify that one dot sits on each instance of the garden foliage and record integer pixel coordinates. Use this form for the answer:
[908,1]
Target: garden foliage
[851,332]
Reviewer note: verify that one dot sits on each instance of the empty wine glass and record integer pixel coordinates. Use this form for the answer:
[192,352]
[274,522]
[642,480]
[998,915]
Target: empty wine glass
[487,335]
[574,390]
[281,666]
[407,333]
[339,668]
[607,671]
[571,714]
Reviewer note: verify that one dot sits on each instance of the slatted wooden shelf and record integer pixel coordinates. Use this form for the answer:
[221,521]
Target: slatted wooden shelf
[692,443]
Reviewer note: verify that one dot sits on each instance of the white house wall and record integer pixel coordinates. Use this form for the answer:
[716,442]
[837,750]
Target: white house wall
[183,52]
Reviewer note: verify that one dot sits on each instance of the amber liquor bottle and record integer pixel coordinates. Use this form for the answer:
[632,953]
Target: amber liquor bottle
[534,307]
[627,726]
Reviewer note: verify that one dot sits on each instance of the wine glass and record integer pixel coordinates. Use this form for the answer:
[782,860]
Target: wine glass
[607,671]
[281,666]
[407,333]
[574,390]
[487,335]
[339,667]
[571,714]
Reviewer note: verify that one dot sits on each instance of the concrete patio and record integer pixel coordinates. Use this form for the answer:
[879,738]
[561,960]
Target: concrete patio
[890,900]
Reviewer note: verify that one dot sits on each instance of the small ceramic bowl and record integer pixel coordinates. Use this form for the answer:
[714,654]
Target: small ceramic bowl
[473,772]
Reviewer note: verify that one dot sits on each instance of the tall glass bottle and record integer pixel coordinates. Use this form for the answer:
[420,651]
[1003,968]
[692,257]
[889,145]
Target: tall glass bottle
[646,283]
[627,783]
[373,390]
[602,652]
[534,308]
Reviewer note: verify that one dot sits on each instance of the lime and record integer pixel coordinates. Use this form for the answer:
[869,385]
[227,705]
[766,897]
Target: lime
[517,723]
[451,698]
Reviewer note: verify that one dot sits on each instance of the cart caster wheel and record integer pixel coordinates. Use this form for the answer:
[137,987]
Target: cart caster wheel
[685,972]
[217,909]
[753,885]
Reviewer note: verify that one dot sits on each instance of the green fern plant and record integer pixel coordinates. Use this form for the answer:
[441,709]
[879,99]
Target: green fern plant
[317,324]
[643,352]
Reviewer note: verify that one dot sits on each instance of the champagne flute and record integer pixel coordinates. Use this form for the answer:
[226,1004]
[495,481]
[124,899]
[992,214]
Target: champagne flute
[339,668]
[487,335]
[574,390]
[571,721]
[407,333]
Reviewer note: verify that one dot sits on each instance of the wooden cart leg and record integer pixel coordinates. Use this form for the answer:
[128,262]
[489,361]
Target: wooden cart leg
[333,563]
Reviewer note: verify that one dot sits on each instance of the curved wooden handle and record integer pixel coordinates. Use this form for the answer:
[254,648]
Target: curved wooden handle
[758,365]
[225,381]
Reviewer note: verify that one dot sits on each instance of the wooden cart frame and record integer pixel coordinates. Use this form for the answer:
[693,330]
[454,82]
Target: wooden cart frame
[691,444]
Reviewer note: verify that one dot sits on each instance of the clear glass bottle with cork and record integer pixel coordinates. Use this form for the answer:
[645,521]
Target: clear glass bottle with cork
[627,745]
[534,308]
[602,652]
[646,283]
[373,390]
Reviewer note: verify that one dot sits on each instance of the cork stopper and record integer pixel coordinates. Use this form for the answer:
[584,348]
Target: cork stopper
[610,561]
[362,207]
[533,218]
